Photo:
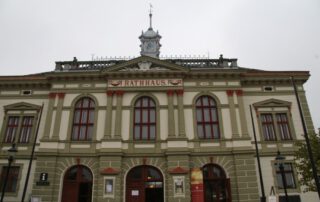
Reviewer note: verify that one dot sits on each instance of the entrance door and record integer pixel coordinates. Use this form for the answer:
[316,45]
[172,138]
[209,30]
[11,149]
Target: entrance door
[77,185]
[144,184]
[216,185]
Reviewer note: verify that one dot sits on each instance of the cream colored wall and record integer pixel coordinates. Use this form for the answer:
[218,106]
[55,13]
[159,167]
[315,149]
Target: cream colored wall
[189,123]
[164,124]
[64,123]
[226,123]
[101,124]
[125,130]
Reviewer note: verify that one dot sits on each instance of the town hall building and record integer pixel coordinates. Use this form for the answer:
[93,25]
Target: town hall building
[151,129]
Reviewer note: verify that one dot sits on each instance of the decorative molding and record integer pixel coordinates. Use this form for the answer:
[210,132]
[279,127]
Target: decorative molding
[178,170]
[229,92]
[110,93]
[170,92]
[61,95]
[119,92]
[52,95]
[109,171]
[180,92]
[239,92]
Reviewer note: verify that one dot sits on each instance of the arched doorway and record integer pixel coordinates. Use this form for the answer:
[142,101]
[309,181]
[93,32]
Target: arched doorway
[77,185]
[216,184]
[144,184]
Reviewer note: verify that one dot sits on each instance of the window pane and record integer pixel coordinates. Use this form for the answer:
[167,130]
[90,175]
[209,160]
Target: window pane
[137,132]
[214,114]
[12,128]
[85,103]
[199,115]
[200,131]
[152,132]
[208,131]
[205,101]
[75,132]
[89,133]
[144,132]
[144,116]
[145,102]
[84,117]
[206,115]
[76,118]
[82,133]
[91,116]
[152,116]
[216,133]
[137,116]
[152,104]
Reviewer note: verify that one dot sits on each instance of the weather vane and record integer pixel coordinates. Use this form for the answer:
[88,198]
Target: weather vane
[150,14]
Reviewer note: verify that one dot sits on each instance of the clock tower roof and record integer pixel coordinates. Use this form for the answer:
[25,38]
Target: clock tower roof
[150,41]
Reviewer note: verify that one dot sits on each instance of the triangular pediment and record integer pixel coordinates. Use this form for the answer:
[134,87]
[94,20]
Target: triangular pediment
[145,64]
[22,106]
[272,103]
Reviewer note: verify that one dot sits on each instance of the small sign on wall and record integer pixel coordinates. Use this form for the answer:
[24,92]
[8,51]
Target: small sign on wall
[135,193]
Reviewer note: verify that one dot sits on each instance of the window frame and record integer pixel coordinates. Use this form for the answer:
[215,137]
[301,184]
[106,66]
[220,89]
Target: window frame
[87,124]
[218,114]
[275,107]
[276,126]
[275,169]
[20,166]
[141,124]
[20,110]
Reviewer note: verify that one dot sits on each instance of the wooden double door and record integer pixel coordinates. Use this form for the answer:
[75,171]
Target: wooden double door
[144,184]
[77,185]
[216,185]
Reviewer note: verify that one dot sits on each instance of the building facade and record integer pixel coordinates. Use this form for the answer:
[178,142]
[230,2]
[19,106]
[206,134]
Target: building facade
[151,129]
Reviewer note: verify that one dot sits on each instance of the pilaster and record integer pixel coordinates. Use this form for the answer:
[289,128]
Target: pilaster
[57,121]
[233,117]
[171,122]
[47,127]
[182,130]
[243,122]
[108,123]
[117,132]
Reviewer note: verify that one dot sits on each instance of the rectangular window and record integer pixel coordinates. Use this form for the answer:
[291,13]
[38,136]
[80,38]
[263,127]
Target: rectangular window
[26,129]
[12,128]
[289,176]
[12,181]
[283,125]
[268,127]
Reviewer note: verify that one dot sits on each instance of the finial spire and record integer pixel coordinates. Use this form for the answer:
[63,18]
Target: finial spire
[150,15]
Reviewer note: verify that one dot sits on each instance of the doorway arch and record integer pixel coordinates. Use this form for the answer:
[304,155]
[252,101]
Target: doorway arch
[216,184]
[77,184]
[144,184]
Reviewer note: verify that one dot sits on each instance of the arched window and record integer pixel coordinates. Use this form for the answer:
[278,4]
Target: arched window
[144,119]
[207,118]
[83,119]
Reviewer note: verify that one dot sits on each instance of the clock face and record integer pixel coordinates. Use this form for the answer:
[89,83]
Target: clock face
[150,46]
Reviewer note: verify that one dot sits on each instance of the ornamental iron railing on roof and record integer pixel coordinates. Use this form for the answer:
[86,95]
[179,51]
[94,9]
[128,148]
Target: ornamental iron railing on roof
[186,62]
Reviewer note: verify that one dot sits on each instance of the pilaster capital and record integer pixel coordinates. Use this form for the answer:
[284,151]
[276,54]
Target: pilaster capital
[229,92]
[239,92]
[61,95]
[170,92]
[180,92]
[110,93]
[52,95]
[119,92]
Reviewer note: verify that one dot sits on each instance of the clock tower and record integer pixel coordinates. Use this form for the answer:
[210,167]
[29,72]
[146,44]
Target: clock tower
[150,41]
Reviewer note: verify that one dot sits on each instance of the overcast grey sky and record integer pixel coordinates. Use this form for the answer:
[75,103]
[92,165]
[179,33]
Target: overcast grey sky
[263,34]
